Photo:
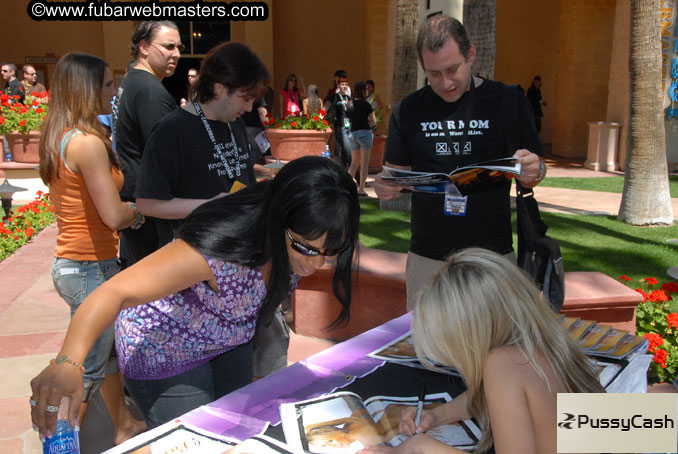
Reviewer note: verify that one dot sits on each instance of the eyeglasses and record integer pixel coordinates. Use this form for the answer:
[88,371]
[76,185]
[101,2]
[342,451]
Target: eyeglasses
[309,251]
[29,74]
[171,46]
[4,70]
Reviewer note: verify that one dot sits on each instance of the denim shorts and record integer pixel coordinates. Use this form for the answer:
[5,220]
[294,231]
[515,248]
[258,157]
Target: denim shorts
[361,140]
[73,281]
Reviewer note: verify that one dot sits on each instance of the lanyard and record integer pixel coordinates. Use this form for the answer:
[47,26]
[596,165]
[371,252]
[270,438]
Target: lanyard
[217,149]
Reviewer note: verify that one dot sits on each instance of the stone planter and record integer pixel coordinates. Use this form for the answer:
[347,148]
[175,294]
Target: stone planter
[289,144]
[377,153]
[24,147]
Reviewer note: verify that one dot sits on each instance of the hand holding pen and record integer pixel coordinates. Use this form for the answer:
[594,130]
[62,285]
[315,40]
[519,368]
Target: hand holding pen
[420,407]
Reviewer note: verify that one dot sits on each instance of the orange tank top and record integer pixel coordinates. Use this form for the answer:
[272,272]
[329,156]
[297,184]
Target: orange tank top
[82,234]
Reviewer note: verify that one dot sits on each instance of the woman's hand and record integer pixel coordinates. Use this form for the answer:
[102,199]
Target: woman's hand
[407,425]
[414,445]
[54,382]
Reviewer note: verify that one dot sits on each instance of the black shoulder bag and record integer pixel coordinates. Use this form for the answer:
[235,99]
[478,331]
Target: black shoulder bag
[538,255]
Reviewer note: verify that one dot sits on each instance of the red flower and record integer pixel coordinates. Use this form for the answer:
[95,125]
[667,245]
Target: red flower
[655,341]
[294,124]
[23,110]
[16,96]
[624,278]
[35,102]
[672,319]
[669,287]
[660,357]
[316,118]
[29,232]
[22,123]
[651,281]
[39,110]
[325,121]
[645,295]
[658,296]
[322,112]
[2,120]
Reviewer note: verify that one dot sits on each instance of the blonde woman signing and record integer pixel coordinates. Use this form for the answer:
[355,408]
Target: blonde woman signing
[84,177]
[482,315]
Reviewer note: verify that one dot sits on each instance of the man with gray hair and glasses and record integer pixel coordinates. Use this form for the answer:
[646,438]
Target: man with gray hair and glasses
[143,101]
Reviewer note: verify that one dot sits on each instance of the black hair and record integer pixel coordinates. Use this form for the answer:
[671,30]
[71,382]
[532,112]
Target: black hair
[370,82]
[311,196]
[340,73]
[359,89]
[146,31]
[287,82]
[233,65]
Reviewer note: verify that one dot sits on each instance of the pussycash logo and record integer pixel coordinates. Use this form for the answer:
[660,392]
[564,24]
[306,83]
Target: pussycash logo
[572,421]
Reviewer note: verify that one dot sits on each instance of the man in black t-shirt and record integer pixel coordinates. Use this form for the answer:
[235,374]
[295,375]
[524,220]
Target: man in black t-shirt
[455,121]
[13,86]
[141,103]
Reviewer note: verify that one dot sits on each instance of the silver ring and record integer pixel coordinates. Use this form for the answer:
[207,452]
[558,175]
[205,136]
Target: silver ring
[52,408]
[33,402]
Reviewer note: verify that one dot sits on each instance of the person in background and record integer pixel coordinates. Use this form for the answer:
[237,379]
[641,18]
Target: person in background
[143,101]
[181,308]
[312,104]
[340,107]
[363,121]
[327,100]
[372,97]
[482,315]
[534,97]
[84,177]
[31,85]
[290,97]
[13,86]
[192,78]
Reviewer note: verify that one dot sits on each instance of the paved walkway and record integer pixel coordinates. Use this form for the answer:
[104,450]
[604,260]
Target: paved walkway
[33,318]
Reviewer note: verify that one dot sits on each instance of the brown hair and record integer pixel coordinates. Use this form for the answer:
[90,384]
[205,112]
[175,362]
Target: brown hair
[75,103]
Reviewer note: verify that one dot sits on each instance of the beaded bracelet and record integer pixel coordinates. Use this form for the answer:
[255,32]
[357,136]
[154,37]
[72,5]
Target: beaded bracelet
[65,359]
[139,219]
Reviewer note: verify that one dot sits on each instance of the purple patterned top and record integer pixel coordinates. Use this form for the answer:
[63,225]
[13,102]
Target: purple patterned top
[185,330]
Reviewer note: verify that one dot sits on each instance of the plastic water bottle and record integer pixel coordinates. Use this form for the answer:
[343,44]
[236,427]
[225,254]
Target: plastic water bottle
[326,153]
[65,439]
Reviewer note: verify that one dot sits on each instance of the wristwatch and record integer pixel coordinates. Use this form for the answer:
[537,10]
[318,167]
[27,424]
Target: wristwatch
[139,219]
[542,170]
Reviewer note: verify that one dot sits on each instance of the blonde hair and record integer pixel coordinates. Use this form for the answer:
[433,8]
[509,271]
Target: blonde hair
[75,102]
[480,301]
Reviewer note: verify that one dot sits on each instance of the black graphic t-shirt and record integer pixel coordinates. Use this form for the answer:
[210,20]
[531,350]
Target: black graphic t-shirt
[179,160]
[361,111]
[426,132]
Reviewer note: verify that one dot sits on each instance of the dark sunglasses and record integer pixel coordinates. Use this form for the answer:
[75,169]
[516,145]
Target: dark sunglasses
[304,249]
[171,46]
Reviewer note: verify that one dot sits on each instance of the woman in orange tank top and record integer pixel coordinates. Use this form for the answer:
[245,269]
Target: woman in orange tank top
[84,177]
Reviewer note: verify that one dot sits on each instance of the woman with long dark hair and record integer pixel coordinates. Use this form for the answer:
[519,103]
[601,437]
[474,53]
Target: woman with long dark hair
[234,260]
[290,97]
[84,177]
[362,121]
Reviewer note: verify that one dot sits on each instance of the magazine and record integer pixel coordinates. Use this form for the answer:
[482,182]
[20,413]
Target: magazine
[580,328]
[401,351]
[343,423]
[467,178]
[185,439]
[261,444]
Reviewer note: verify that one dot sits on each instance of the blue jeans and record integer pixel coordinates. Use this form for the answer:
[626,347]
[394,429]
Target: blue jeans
[73,281]
[167,398]
[361,140]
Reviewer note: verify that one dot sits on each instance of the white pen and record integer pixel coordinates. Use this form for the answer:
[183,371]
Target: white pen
[420,406]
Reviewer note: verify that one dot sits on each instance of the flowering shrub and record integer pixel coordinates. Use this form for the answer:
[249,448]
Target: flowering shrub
[22,223]
[657,321]
[314,121]
[24,118]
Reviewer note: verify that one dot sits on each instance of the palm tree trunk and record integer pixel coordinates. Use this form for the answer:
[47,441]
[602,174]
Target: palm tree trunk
[405,54]
[646,198]
[480,17]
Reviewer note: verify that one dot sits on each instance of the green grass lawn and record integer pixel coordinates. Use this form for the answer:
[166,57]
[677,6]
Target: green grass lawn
[601,184]
[588,243]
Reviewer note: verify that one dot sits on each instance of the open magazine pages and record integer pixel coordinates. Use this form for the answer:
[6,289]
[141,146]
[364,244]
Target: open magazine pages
[467,178]
[401,351]
[343,423]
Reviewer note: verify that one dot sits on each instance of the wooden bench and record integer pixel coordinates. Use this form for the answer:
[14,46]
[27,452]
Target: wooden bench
[379,295]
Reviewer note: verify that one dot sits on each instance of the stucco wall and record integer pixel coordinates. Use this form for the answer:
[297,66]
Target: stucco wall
[584,44]
[526,43]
